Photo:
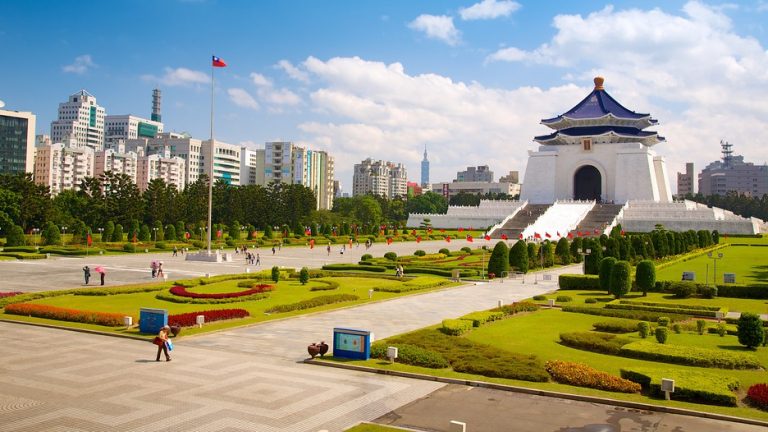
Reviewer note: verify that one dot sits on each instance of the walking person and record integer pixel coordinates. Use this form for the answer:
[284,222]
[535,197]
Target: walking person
[86,274]
[258,259]
[160,270]
[161,340]
[175,251]
[103,275]
[328,249]
[273,250]
[153,266]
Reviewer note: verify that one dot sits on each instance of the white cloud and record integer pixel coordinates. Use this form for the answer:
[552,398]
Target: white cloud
[80,65]
[260,80]
[242,98]
[293,71]
[438,27]
[274,96]
[179,77]
[378,110]
[489,9]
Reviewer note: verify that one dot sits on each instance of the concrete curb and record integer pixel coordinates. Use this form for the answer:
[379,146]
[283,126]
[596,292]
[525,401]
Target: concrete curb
[545,393]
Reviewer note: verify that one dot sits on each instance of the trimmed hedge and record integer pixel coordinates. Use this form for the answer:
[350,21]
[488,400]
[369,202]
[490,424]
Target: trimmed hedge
[313,303]
[581,375]
[689,355]
[416,284]
[257,289]
[65,314]
[595,342]
[326,285]
[357,267]
[119,290]
[579,282]
[743,291]
[564,299]
[664,308]
[411,355]
[617,326]
[27,249]
[482,317]
[178,299]
[516,308]
[456,327]
[624,313]
[440,272]
[692,386]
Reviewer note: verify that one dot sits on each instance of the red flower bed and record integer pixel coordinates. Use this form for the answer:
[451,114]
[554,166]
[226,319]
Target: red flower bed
[190,319]
[64,314]
[758,393]
[258,289]
[9,294]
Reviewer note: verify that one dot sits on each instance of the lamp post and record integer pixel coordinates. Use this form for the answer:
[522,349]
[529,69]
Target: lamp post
[35,233]
[584,254]
[714,258]
[101,234]
[154,229]
[483,273]
[201,233]
[64,228]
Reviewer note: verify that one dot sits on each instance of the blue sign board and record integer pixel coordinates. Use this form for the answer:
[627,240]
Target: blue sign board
[351,343]
[152,320]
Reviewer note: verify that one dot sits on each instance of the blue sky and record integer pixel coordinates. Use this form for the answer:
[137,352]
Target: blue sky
[468,79]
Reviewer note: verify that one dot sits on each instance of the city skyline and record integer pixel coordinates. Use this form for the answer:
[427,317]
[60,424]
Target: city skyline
[384,80]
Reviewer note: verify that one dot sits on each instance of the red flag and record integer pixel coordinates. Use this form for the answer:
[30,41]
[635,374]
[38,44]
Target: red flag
[461,229]
[558,234]
[504,237]
[89,240]
[597,232]
[469,238]
[217,62]
[418,239]
[546,234]
[186,235]
[536,235]
[570,235]
[487,237]
[448,239]
[623,233]
[520,236]
[578,233]
[389,240]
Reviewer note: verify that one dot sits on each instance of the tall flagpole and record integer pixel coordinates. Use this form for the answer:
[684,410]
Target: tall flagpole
[210,162]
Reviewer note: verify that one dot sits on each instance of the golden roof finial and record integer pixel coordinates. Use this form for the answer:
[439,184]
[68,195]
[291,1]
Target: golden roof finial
[599,83]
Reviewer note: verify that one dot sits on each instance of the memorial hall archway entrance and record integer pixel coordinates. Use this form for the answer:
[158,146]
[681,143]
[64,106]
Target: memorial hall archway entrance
[587,183]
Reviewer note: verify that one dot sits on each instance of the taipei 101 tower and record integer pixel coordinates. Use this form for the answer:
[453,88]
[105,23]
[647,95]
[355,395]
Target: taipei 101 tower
[425,170]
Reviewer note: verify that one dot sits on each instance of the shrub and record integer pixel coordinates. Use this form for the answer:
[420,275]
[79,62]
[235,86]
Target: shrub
[162,245]
[456,327]
[758,395]
[466,249]
[661,334]
[27,249]
[327,285]
[707,292]
[517,307]
[419,253]
[663,321]
[190,319]
[313,303]
[498,263]
[9,294]
[590,300]
[275,274]
[604,275]
[690,355]
[564,299]
[539,297]
[482,317]
[391,256]
[620,279]
[596,342]
[444,251]
[641,315]
[365,268]
[65,314]
[411,355]
[666,309]
[645,275]
[683,289]
[676,328]
[750,328]
[304,275]
[692,386]
[617,326]
[129,247]
[700,326]
[579,282]
[366,257]
[743,291]
[721,329]
[518,256]
[581,375]
[644,329]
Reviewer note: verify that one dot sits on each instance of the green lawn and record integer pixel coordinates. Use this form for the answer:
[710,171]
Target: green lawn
[286,291]
[749,263]
[763,240]
[538,333]
[733,304]
[371,427]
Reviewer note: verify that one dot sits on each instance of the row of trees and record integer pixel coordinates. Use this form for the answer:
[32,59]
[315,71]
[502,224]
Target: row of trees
[631,248]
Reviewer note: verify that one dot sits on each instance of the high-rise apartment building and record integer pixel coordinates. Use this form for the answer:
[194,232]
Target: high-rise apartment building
[120,128]
[160,166]
[17,142]
[732,174]
[63,166]
[475,174]
[387,179]
[82,119]
[685,181]
[252,166]
[315,170]
[116,160]
[225,160]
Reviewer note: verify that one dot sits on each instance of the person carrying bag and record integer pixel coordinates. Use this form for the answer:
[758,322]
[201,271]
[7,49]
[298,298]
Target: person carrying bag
[163,343]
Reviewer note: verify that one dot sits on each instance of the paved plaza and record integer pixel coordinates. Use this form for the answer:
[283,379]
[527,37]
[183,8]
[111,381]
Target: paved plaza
[252,378]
